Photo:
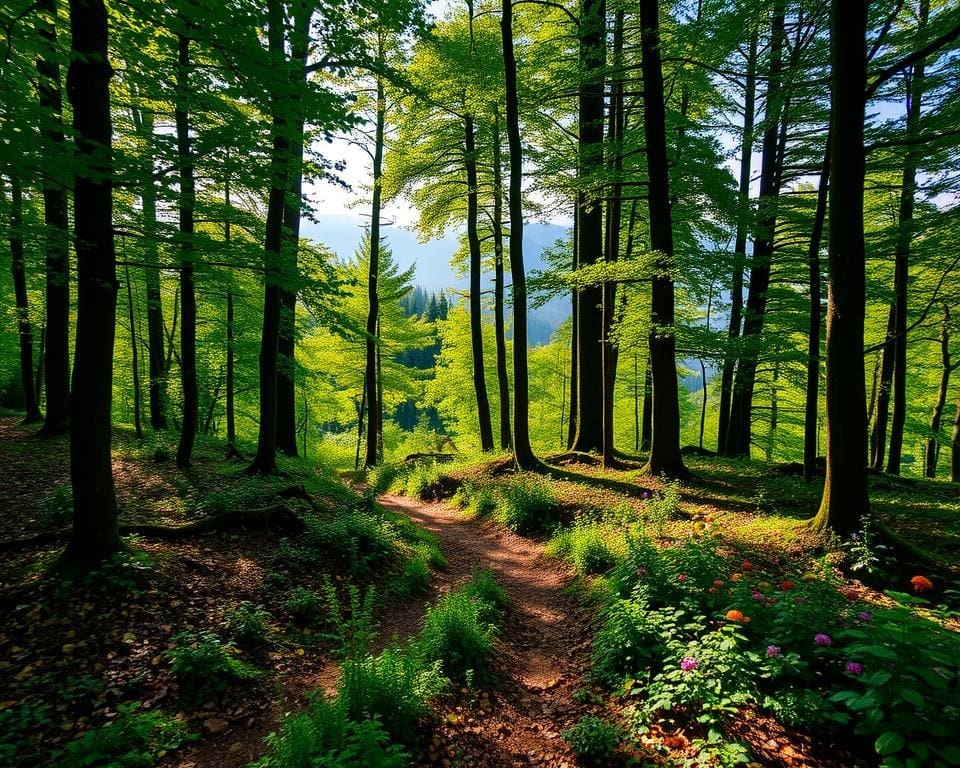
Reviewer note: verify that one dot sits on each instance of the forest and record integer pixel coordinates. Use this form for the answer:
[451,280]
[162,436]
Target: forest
[618,426]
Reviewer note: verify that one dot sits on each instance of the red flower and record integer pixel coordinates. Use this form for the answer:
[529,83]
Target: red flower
[921,584]
[787,585]
[737,616]
[746,565]
[851,593]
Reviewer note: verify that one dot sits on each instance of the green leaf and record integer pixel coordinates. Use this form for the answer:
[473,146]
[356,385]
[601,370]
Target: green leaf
[912,696]
[889,742]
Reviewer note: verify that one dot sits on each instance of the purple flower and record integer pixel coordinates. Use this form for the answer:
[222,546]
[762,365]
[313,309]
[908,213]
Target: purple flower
[865,616]
[758,596]
[688,664]
[645,495]
[773,651]
[822,639]
[854,668]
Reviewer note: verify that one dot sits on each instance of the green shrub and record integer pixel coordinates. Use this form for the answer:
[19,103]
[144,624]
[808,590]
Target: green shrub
[127,571]
[203,666]
[413,579]
[132,740]
[455,634]
[660,508]
[249,625]
[352,626]
[56,508]
[800,708]
[385,477]
[630,640]
[527,504]
[593,740]
[422,479]
[586,545]
[22,728]
[352,539]
[393,687]
[304,606]
[244,493]
[492,600]
[477,499]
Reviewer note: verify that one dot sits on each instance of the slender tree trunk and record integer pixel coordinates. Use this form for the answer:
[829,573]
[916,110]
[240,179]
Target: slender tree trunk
[574,338]
[740,245]
[188,299]
[522,450]
[374,426]
[38,377]
[476,311]
[741,406]
[94,536]
[231,351]
[665,455]
[138,427]
[881,413]
[361,409]
[265,461]
[703,373]
[636,404]
[811,424]
[905,228]
[933,442]
[646,426]
[56,224]
[503,380]
[845,495]
[24,328]
[592,42]
[955,447]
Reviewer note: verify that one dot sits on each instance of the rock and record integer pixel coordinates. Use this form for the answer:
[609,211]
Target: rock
[215,725]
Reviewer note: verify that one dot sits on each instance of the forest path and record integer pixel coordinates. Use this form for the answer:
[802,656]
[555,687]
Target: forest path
[543,649]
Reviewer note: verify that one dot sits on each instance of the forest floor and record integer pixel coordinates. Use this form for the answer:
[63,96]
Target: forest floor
[72,659]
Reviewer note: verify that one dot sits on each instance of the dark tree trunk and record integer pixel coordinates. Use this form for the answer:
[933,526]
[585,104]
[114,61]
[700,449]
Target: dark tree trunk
[574,339]
[740,245]
[265,461]
[135,362]
[503,380]
[902,263]
[646,426]
[143,122]
[371,373]
[476,311]
[932,452]
[955,447]
[522,450]
[739,431]
[94,535]
[811,424]
[845,495]
[24,328]
[38,378]
[230,407]
[188,299]
[56,223]
[881,413]
[665,455]
[592,43]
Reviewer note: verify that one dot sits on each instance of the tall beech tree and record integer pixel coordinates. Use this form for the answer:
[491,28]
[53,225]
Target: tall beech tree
[94,535]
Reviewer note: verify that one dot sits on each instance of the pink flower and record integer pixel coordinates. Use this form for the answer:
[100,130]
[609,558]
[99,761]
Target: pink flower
[865,616]
[758,596]
[682,577]
[822,639]
[688,664]
[854,668]
[773,651]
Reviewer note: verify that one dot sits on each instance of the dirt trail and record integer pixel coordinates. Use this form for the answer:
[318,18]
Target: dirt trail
[543,648]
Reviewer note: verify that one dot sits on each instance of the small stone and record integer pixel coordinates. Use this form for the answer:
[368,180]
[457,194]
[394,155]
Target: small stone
[215,725]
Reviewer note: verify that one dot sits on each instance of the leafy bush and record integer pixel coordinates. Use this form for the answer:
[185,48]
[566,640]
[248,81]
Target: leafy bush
[586,545]
[353,539]
[491,599]
[393,687]
[413,579]
[56,508]
[593,740]
[477,499]
[127,571]
[352,625]
[631,639]
[385,477]
[527,504]
[304,606]
[133,740]
[21,726]
[203,665]
[662,506]
[422,480]
[248,625]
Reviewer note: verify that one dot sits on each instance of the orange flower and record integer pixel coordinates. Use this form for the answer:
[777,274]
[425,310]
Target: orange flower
[735,615]
[921,584]
[787,585]
[736,577]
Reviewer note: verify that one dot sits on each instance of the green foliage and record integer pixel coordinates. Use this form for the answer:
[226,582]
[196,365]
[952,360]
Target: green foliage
[55,509]
[385,477]
[244,493]
[421,482]
[631,638]
[587,545]
[127,571]
[489,595]
[304,606]
[662,507]
[352,626]
[204,666]
[353,539]
[593,740]
[19,727]
[249,625]
[132,740]
[800,708]
[527,503]
[413,579]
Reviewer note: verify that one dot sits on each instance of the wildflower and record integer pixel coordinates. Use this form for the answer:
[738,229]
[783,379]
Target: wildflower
[823,639]
[708,519]
[642,571]
[736,577]
[758,596]
[746,565]
[854,668]
[865,616]
[921,584]
[786,586]
[718,583]
[763,585]
[851,593]
[688,664]
[682,577]
[645,495]
[773,651]
[699,526]
[808,577]
[735,615]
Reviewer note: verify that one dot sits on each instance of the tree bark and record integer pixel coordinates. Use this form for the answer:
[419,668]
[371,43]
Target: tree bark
[135,362]
[522,450]
[881,413]
[476,311]
[231,352]
[188,299]
[574,337]
[932,452]
[665,455]
[902,261]
[845,495]
[646,425]
[94,535]
[740,245]
[592,47]
[56,226]
[740,429]
[503,380]
[24,328]
[955,447]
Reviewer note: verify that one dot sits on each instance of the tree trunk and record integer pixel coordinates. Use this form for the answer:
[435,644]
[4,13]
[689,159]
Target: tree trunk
[881,413]
[955,447]
[739,431]
[902,263]
[503,380]
[476,312]
[374,427]
[811,424]
[94,535]
[522,450]
[933,442]
[24,328]
[56,223]
[845,495]
[138,427]
[592,46]
[703,373]
[740,246]
[229,384]
[665,455]
[265,461]
[574,338]
[646,426]
[188,299]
